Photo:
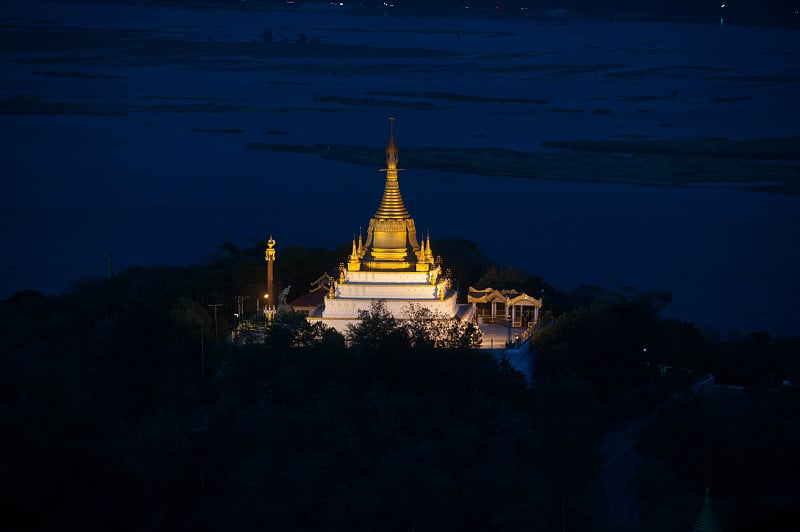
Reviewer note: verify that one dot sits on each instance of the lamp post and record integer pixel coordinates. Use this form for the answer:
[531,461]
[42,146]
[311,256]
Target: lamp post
[508,323]
[240,304]
[202,351]
[216,323]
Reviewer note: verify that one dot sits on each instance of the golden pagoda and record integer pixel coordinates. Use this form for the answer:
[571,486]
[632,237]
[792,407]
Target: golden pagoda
[390,265]
[391,236]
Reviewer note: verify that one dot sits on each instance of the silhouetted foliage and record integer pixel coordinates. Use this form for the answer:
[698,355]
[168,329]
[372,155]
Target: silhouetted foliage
[743,447]
[377,330]
[609,344]
[465,259]
[431,330]
[110,423]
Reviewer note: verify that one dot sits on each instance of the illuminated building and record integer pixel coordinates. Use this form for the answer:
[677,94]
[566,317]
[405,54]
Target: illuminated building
[391,265]
[499,306]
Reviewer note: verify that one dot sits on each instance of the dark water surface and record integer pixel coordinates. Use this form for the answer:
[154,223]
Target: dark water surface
[143,185]
[730,258]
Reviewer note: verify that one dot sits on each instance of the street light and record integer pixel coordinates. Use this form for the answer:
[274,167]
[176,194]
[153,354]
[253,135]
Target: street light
[216,323]
[508,322]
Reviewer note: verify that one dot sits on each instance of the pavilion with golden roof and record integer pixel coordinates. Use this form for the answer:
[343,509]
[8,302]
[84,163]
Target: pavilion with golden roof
[392,265]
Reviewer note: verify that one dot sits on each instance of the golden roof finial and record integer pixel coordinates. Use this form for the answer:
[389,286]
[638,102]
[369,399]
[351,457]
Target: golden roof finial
[269,253]
[353,261]
[391,148]
[391,206]
[428,250]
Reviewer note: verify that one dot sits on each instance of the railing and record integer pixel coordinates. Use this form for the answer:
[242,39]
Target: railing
[501,320]
[519,338]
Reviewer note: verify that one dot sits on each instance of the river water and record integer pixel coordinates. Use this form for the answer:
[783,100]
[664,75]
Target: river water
[142,184]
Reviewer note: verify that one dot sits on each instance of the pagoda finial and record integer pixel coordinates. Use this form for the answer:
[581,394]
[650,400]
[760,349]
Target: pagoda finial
[391,148]
[353,261]
[391,206]
[429,251]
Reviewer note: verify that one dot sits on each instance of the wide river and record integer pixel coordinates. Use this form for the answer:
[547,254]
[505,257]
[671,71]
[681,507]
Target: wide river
[144,183]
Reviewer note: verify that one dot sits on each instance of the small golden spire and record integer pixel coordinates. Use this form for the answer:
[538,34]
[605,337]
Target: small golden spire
[391,148]
[353,261]
[360,242]
[428,250]
[391,206]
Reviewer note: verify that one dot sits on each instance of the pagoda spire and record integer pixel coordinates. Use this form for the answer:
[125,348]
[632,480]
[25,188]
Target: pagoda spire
[353,261]
[391,207]
[428,251]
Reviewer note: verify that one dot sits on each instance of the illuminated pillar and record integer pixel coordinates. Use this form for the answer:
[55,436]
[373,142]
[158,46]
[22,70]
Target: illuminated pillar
[270,258]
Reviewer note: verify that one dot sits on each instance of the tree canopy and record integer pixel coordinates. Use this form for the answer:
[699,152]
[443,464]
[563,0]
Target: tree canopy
[120,411]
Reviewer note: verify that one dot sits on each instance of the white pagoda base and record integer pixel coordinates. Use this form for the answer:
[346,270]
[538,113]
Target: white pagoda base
[359,289]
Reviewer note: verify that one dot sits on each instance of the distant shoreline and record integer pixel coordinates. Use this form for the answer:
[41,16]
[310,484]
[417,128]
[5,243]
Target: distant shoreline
[555,16]
[764,165]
